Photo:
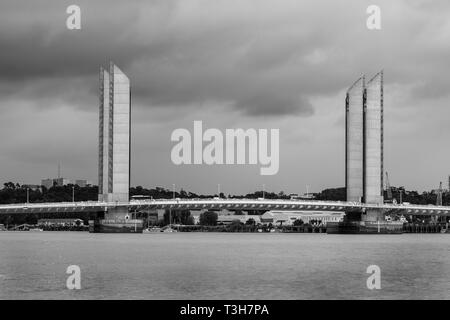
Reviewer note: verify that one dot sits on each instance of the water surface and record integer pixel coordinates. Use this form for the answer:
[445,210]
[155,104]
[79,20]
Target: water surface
[223,265]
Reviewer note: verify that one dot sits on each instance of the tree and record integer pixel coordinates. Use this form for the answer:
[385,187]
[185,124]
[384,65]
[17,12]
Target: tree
[250,222]
[190,221]
[334,194]
[235,225]
[177,216]
[208,218]
[9,185]
[298,222]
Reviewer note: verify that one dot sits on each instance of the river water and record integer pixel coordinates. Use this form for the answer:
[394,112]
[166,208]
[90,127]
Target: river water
[223,265]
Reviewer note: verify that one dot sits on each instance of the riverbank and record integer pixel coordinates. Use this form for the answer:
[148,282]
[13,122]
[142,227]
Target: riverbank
[252,228]
[306,228]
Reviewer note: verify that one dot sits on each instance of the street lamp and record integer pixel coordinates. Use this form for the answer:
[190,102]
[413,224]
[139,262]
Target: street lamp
[135,221]
[218,190]
[73,193]
[28,195]
[264,190]
[170,208]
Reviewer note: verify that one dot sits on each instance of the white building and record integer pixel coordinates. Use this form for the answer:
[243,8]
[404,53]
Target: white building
[287,218]
[59,182]
[227,219]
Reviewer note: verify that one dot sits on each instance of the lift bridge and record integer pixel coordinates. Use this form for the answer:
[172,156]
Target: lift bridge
[219,204]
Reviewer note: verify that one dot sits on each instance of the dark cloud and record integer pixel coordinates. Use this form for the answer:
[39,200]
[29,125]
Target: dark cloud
[268,104]
[180,53]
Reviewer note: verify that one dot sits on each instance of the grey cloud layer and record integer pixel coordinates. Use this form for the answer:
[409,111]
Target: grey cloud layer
[261,57]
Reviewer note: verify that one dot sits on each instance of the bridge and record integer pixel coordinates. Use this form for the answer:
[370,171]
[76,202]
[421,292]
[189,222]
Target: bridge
[219,204]
[363,165]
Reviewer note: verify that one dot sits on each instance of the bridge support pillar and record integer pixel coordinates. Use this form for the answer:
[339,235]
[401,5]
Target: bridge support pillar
[371,221]
[352,216]
[118,213]
[117,220]
[373,215]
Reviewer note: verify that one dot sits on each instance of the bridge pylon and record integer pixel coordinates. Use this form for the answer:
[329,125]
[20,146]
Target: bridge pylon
[114,152]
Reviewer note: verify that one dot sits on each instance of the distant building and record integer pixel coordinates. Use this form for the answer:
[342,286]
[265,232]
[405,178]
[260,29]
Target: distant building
[152,218]
[47,183]
[59,182]
[228,219]
[305,196]
[56,182]
[82,183]
[287,218]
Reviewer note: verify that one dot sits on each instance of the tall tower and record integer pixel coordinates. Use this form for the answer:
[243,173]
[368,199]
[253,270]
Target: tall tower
[364,140]
[354,139]
[114,135]
[373,140]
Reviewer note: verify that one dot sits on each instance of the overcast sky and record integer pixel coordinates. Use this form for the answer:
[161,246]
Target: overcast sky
[246,63]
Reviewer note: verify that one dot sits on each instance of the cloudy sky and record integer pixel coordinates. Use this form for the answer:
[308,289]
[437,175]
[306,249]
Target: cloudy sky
[245,63]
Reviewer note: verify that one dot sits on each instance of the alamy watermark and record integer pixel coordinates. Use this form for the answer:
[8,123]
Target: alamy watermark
[373,21]
[228,148]
[374,280]
[73,21]
[74,280]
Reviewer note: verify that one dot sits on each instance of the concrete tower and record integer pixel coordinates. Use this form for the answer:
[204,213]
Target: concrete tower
[364,141]
[373,140]
[114,135]
[354,140]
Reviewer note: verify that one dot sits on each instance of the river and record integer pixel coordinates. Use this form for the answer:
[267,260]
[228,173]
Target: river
[223,265]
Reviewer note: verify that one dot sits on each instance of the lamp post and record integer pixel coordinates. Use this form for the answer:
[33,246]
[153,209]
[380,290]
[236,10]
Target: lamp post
[218,190]
[28,195]
[170,208]
[264,190]
[73,193]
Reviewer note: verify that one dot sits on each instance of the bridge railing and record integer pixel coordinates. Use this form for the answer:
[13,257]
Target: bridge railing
[294,204]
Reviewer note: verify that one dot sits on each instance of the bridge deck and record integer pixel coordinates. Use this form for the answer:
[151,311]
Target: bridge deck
[217,204]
